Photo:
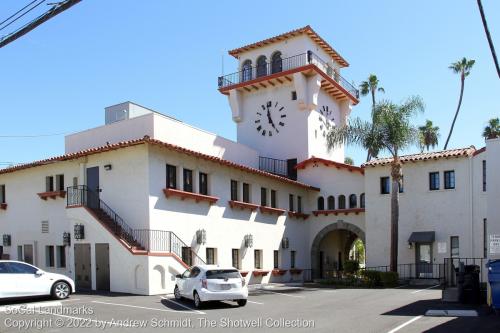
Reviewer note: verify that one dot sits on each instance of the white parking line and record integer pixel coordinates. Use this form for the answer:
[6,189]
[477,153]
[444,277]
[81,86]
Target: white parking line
[417,291]
[405,324]
[136,306]
[255,302]
[182,305]
[275,292]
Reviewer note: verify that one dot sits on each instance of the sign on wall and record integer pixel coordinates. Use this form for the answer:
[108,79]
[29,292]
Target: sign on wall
[494,244]
[441,247]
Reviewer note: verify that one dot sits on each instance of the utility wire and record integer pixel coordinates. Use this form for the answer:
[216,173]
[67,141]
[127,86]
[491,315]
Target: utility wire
[26,12]
[20,10]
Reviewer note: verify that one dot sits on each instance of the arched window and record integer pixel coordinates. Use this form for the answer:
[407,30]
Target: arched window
[362,200]
[353,201]
[246,70]
[276,62]
[321,203]
[331,202]
[342,201]
[261,66]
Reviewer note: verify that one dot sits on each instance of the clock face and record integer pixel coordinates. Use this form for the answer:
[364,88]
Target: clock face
[270,118]
[326,120]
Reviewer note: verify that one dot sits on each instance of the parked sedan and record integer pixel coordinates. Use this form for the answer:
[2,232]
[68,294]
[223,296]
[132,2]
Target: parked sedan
[204,283]
[19,279]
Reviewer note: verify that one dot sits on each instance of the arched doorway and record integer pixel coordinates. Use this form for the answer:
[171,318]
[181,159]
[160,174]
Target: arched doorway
[331,247]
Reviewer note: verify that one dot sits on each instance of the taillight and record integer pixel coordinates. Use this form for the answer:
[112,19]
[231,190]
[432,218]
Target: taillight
[204,283]
[243,282]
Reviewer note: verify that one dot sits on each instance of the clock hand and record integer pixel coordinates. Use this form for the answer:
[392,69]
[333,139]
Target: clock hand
[269,118]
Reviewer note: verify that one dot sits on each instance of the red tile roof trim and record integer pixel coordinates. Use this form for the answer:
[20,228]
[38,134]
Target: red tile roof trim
[147,140]
[304,30]
[455,153]
[329,163]
[479,151]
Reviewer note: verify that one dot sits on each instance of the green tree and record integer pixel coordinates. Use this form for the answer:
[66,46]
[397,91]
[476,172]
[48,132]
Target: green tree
[428,135]
[492,130]
[371,86]
[348,160]
[394,132]
[462,67]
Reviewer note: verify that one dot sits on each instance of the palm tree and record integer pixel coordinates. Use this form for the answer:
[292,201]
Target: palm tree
[348,160]
[370,86]
[462,67]
[492,130]
[393,131]
[428,136]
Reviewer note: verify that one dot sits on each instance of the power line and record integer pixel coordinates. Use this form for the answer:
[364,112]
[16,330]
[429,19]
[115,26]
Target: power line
[20,10]
[20,16]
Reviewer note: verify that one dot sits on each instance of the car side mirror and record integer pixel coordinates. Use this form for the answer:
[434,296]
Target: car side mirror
[39,272]
[179,276]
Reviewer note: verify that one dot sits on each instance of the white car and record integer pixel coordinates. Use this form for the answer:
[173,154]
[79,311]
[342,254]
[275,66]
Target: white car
[204,283]
[19,279]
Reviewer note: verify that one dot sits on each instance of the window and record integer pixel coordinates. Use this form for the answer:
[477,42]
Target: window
[2,194]
[20,256]
[454,246]
[273,199]
[341,201]
[263,196]
[4,268]
[353,201]
[433,181]
[187,180]
[59,182]
[75,181]
[246,70]
[291,200]
[485,238]
[195,272]
[236,258]
[292,259]
[28,253]
[61,256]
[331,202]
[276,258]
[321,203]
[203,182]
[49,184]
[401,185]
[276,62]
[261,66]
[484,176]
[294,95]
[49,256]
[362,200]
[234,190]
[19,268]
[210,256]
[187,255]
[299,204]
[257,257]
[449,179]
[171,176]
[246,192]
[384,185]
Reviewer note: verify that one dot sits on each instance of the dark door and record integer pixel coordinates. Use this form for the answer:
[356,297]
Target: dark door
[83,278]
[93,187]
[423,260]
[102,266]
[321,258]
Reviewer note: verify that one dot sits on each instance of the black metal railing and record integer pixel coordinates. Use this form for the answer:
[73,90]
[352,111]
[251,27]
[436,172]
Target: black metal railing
[273,165]
[148,239]
[253,72]
[454,265]
[415,271]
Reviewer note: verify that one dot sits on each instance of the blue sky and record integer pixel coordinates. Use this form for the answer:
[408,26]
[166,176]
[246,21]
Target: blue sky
[166,55]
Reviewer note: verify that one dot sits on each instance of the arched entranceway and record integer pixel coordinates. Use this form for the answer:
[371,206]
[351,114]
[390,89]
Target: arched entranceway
[331,247]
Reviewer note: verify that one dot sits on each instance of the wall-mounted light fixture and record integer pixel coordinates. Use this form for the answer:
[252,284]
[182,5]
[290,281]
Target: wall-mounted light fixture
[108,167]
[285,243]
[6,240]
[79,231]
[410,245]
[249,240]
[201,236]
[66,238]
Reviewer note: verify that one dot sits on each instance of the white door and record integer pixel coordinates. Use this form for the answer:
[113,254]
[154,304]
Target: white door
[182,283]
[191,281]
[7,281]
[28,283]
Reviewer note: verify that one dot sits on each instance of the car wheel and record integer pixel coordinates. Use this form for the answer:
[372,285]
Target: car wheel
[61,290]
[197,301]
[242,302]
[177,293]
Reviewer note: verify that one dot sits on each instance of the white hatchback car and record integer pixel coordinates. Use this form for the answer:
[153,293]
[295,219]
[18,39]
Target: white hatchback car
[19,279]
[203,283]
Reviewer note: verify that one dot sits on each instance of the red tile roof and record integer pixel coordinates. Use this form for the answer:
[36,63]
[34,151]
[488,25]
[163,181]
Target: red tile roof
[304,30]
[329,163]
[479,151]
[148,140]
[461,152]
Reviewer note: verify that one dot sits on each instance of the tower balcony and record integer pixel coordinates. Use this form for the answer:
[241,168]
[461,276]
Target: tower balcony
[279,72]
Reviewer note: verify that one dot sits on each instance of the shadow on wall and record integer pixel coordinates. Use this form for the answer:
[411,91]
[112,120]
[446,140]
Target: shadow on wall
[181,206]
[140,280]
[158,276]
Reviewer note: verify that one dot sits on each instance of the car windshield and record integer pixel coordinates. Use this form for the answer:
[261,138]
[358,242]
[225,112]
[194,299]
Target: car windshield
[223,274]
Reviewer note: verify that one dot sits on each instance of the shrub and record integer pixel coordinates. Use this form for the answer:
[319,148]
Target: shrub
[351,266]
[389,279]
[372,278]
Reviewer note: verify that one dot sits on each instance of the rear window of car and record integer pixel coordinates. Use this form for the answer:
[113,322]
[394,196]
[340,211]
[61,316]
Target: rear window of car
[223,274]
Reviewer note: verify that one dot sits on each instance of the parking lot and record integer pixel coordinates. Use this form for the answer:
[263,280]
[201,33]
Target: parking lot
[270,308]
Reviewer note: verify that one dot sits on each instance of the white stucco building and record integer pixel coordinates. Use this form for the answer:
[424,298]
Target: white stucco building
[135,201]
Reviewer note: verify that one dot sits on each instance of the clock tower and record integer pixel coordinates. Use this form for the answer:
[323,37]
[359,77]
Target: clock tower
[287,94]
